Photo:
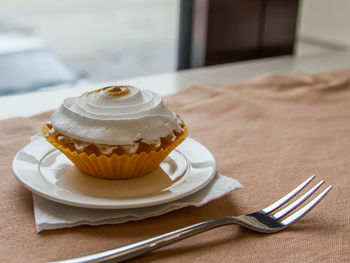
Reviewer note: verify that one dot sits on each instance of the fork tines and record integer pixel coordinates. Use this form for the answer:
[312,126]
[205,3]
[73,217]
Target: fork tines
[303,211]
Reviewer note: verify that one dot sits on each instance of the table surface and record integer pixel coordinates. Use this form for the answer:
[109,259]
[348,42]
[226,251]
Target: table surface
[271,140]
[169,83]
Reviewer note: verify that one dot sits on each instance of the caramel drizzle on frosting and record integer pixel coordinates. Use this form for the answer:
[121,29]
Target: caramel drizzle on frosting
[116,91]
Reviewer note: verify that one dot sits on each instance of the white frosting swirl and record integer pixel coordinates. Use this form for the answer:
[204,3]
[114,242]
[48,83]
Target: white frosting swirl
[117,115]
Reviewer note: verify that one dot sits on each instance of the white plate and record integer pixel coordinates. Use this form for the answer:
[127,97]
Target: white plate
[47,172]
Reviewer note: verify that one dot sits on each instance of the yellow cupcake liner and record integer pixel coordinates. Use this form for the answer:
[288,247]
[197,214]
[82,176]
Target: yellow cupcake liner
[115,166]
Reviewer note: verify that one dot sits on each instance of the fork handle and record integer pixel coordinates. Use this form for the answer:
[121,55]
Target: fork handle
[135,249]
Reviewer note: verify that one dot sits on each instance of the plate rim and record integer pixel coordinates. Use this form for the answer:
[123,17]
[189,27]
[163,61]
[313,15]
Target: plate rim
[81,204]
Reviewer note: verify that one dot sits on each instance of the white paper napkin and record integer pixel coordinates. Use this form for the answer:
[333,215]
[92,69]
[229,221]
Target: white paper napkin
[52,215]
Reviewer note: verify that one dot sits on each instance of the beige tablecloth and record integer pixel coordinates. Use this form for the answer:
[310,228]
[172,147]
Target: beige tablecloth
[270,133]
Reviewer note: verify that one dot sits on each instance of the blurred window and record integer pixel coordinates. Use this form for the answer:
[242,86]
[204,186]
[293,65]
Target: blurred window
[105,40]
[31,70]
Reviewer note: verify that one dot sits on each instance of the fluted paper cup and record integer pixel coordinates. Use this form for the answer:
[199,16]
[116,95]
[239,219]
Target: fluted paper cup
[115,166]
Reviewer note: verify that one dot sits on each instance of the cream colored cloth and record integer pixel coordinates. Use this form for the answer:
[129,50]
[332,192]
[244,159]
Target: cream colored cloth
[270,133]
[53,215]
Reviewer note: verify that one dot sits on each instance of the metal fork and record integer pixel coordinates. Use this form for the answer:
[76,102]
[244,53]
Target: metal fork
[262,221]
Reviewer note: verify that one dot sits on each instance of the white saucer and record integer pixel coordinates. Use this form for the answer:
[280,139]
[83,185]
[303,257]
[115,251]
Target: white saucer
[47,172]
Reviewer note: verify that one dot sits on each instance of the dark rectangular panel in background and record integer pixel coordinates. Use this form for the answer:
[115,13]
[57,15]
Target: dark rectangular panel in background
[278,32]
[224,31]
[233,30]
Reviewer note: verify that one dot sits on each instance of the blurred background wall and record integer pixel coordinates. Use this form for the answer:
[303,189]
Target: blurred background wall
[324,26]
[111,39]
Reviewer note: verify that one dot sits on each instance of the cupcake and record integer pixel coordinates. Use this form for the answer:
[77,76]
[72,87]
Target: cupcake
[116,132]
